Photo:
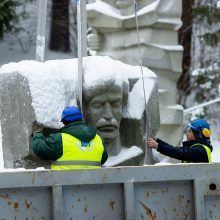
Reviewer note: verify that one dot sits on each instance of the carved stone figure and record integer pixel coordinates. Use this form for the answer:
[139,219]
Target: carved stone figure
[113,103]
[113,32]
[107,101]
[103,110]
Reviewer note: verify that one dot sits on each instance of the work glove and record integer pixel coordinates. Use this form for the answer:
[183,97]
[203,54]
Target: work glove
[37,127]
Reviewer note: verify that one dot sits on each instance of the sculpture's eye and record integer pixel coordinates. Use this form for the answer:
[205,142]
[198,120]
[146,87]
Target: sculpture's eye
[116,104]
[97,105]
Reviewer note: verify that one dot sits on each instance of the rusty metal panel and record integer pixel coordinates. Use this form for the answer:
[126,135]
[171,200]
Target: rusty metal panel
[189,191]
[25,203]
[101,201]
[164,200]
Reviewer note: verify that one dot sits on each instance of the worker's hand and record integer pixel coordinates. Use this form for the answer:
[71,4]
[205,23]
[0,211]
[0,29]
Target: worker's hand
[152,143]
[37,127]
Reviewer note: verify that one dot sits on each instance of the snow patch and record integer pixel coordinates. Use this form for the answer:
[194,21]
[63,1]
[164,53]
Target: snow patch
[104,8]
[125,154]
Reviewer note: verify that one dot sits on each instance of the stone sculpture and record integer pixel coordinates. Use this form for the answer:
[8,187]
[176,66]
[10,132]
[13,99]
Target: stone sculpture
[103,110]
[113,103]
[106,108]
[113,32]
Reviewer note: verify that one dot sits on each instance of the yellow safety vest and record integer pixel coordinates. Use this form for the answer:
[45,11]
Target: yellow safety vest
[78,155]
[208,152]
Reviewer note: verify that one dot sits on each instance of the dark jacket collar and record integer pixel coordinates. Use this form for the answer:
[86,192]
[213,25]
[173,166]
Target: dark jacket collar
[79,130]
[203,141]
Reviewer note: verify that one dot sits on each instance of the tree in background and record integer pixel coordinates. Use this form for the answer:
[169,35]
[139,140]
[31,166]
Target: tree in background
[205,51]
[7,16]
[59,34]
[17,22]
[200,37]
[185,34]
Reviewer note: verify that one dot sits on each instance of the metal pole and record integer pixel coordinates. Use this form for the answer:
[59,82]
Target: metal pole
[82,45]
[188,110]
[41,30]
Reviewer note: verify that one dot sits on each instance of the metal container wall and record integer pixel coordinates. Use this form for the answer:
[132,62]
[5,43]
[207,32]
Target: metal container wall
[172,192]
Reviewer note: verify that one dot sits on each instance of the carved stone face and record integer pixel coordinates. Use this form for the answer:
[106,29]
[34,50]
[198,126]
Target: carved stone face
[104,111]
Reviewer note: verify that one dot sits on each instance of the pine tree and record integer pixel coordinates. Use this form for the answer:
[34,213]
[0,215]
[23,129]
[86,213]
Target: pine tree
[185,34]
[59,34]
[7,16]
[205,52]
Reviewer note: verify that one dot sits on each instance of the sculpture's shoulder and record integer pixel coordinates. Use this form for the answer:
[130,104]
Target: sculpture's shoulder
[133,156]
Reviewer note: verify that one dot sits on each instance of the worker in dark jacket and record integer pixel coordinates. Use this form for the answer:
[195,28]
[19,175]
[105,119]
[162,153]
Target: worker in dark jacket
[196,149]
[74,146]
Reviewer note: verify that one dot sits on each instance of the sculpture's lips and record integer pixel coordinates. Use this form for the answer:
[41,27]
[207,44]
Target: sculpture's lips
[107,128]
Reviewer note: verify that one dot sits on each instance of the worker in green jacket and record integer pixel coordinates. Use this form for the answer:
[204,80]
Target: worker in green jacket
[74,146]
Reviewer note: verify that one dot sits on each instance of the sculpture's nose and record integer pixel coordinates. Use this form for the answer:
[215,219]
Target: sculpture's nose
[107,114]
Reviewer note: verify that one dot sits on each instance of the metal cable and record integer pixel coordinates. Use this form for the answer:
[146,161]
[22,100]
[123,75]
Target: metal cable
[139,49]
[148,159]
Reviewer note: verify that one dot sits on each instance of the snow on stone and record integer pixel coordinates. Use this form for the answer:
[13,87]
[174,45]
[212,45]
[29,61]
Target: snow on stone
[168,47]
[48,81]
[106,9]
[104,69]
[136,98]
[125,154]
[129,112]
[57,80]
[180,107]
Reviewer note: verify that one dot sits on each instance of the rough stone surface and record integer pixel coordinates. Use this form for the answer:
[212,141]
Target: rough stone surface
[16,116]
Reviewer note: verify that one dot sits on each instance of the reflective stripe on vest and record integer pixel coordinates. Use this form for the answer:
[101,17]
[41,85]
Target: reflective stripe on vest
[77,162]
[77,154]
[208,152]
